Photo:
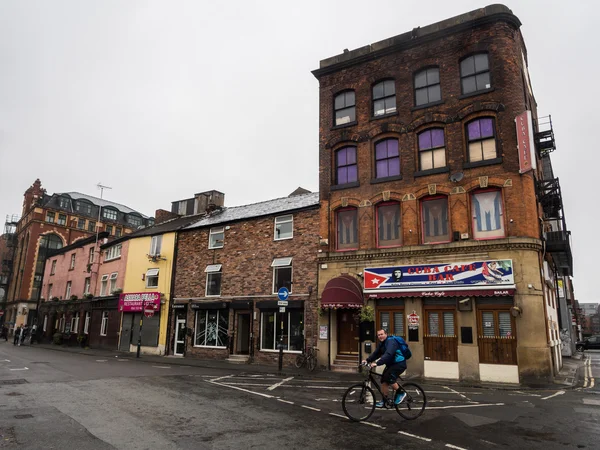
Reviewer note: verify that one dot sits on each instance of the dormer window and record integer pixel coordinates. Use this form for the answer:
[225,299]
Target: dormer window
[64,202]
[83,207]
[109,213]
[133,220]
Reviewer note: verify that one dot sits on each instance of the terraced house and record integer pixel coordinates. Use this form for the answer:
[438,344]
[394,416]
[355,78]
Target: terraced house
[439,207]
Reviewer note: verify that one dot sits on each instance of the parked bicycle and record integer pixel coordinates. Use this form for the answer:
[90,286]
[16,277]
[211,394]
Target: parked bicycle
[359,400]
[308,358]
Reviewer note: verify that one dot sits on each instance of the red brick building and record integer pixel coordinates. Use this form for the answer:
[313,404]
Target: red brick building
[50,222]
[428,201]
[229,267]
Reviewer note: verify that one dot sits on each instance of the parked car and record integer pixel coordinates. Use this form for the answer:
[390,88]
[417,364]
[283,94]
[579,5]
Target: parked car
[592,342]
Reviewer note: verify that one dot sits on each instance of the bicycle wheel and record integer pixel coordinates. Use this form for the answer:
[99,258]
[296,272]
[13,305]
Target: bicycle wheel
[311,363]
[299,361]
[414,403]
[358,402]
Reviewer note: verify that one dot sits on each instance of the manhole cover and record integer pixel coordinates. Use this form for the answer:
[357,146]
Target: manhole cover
[24,416]
[17,381]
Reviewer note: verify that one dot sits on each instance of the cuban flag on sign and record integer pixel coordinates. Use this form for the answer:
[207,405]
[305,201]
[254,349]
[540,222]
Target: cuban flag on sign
[373,280]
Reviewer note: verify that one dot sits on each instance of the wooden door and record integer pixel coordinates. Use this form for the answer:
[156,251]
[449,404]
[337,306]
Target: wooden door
[440,340]
[497,340]
[348,331]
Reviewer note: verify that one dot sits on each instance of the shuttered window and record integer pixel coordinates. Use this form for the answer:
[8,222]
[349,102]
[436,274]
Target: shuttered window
[391,320]
[441,343]
[497,340]
[434,324]
[488,324]
[504,324]
[398,324]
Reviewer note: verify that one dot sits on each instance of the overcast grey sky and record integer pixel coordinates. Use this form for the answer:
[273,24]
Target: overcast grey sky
[164,99]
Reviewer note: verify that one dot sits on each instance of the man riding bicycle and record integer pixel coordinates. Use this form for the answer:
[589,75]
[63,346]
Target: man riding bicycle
[388,352]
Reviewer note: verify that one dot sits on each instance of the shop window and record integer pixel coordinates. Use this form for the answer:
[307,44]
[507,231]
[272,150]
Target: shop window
[293,330]
[104,324]
[488,216]
[389,229]
[211,328]
[86,323]
[347,229]
[75,323]
[434,216]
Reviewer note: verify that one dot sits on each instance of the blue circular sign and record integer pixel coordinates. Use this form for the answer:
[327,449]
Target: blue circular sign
[283,293]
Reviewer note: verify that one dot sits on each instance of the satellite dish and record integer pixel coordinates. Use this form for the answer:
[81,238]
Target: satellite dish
[456,177]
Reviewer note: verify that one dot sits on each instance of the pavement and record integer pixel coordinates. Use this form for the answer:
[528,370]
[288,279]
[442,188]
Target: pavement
[569,376]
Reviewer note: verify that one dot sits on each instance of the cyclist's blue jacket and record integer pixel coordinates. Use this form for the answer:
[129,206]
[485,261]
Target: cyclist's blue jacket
[388,349]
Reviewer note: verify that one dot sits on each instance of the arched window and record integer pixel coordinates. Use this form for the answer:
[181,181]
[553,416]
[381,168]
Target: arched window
[346,167]
[481,139]
[487,214]
[389,225]
[434,220]
[384,98]
[427,86]
[475,73]
[347,229]
[387,158]
[432,150]
[344,107]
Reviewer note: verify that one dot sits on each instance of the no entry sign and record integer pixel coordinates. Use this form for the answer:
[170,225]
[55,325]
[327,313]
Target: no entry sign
[149,310]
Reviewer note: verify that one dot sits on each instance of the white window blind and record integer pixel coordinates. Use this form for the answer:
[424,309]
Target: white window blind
[398,324]
[488,324]
[504,324]
[448,324]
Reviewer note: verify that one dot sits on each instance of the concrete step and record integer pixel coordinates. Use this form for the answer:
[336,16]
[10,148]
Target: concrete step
[238,359]
[344,368]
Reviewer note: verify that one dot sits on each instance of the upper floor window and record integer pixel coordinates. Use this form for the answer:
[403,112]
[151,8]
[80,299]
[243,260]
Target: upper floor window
[347,229]
[68,291]
[346,168]
[109,229]
[216,237]
[427,86]
[86,286]
[133,220]
[384,98]
[475,73]
[81,224]
[387,158]
[109,213]
[488,217]
[182,208]
[72,266]
[113,282]
[91,226]
[282,274]
[112,253]
[53,268]
[118,232]
[64,202]
[50,217]
[432,151]
[156,245]
[213,279]
[83,207]
[103,285]
[152,278]
[481,139]
[345,109]
[62,219]
[389,225]
[434,214]
[284,227]
[91,255]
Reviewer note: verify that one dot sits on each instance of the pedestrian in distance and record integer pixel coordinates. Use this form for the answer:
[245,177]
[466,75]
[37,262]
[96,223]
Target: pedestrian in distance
[4,333]
[17,335]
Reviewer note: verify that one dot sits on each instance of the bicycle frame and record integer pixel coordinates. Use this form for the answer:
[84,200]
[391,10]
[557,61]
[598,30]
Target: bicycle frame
[371,378]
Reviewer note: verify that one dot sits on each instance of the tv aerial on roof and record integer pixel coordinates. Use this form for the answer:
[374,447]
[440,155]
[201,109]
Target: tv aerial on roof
[456,177]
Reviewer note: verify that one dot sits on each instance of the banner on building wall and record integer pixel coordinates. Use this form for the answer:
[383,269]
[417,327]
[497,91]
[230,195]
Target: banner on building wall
[494,275]
[525,145]
[135,301]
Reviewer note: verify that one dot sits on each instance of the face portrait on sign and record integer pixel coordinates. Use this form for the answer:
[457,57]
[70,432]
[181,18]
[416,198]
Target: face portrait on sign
[396,275]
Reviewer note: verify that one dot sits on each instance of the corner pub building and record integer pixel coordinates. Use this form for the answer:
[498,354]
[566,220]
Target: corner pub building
[432,167]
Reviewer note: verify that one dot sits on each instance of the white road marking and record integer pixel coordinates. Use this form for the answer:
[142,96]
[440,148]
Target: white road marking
[454,446]
[276,385]
[519,393]
[162,367]
[222,378]
[373,425]
[310,407]
[240,389]
[414,436]
[247,384]
[456,392]
[285,401]
[23,368]
[553,395]
[101,360]
[465,406]
[6,360]
[338,415]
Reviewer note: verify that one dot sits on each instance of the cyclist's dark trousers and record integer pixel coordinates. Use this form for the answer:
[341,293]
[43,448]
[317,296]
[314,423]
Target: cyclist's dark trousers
[392,372]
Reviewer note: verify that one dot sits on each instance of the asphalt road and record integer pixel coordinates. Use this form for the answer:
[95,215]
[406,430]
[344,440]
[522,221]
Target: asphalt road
[51,399]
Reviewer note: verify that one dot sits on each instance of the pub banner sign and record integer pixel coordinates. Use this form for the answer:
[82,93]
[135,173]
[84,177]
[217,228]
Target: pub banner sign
[490,274]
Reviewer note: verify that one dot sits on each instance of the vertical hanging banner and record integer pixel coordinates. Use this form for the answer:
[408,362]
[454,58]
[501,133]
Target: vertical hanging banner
[525,144]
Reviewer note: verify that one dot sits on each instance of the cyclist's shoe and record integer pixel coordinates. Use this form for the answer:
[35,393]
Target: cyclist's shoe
[399,398]
[380,404]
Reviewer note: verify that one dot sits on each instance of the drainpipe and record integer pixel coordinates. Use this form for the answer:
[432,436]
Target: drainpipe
[171,294]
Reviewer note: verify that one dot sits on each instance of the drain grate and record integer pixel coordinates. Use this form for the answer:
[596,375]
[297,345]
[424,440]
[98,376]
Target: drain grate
[17,381]
[24,416]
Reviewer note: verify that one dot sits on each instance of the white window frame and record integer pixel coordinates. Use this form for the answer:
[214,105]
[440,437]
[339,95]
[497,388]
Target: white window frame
[113,252]
[156,245]
[104,324]
[91,255]
[72,265]
[50,292]
[86,323]
[45,325]
[211,270]
[53,268]
[75,323]
[281,220]
[213,242]
[112,287]
[68,291]
[205,312]
[282,263]
[103,285]
[277,320]
[152,274]
[87,283]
